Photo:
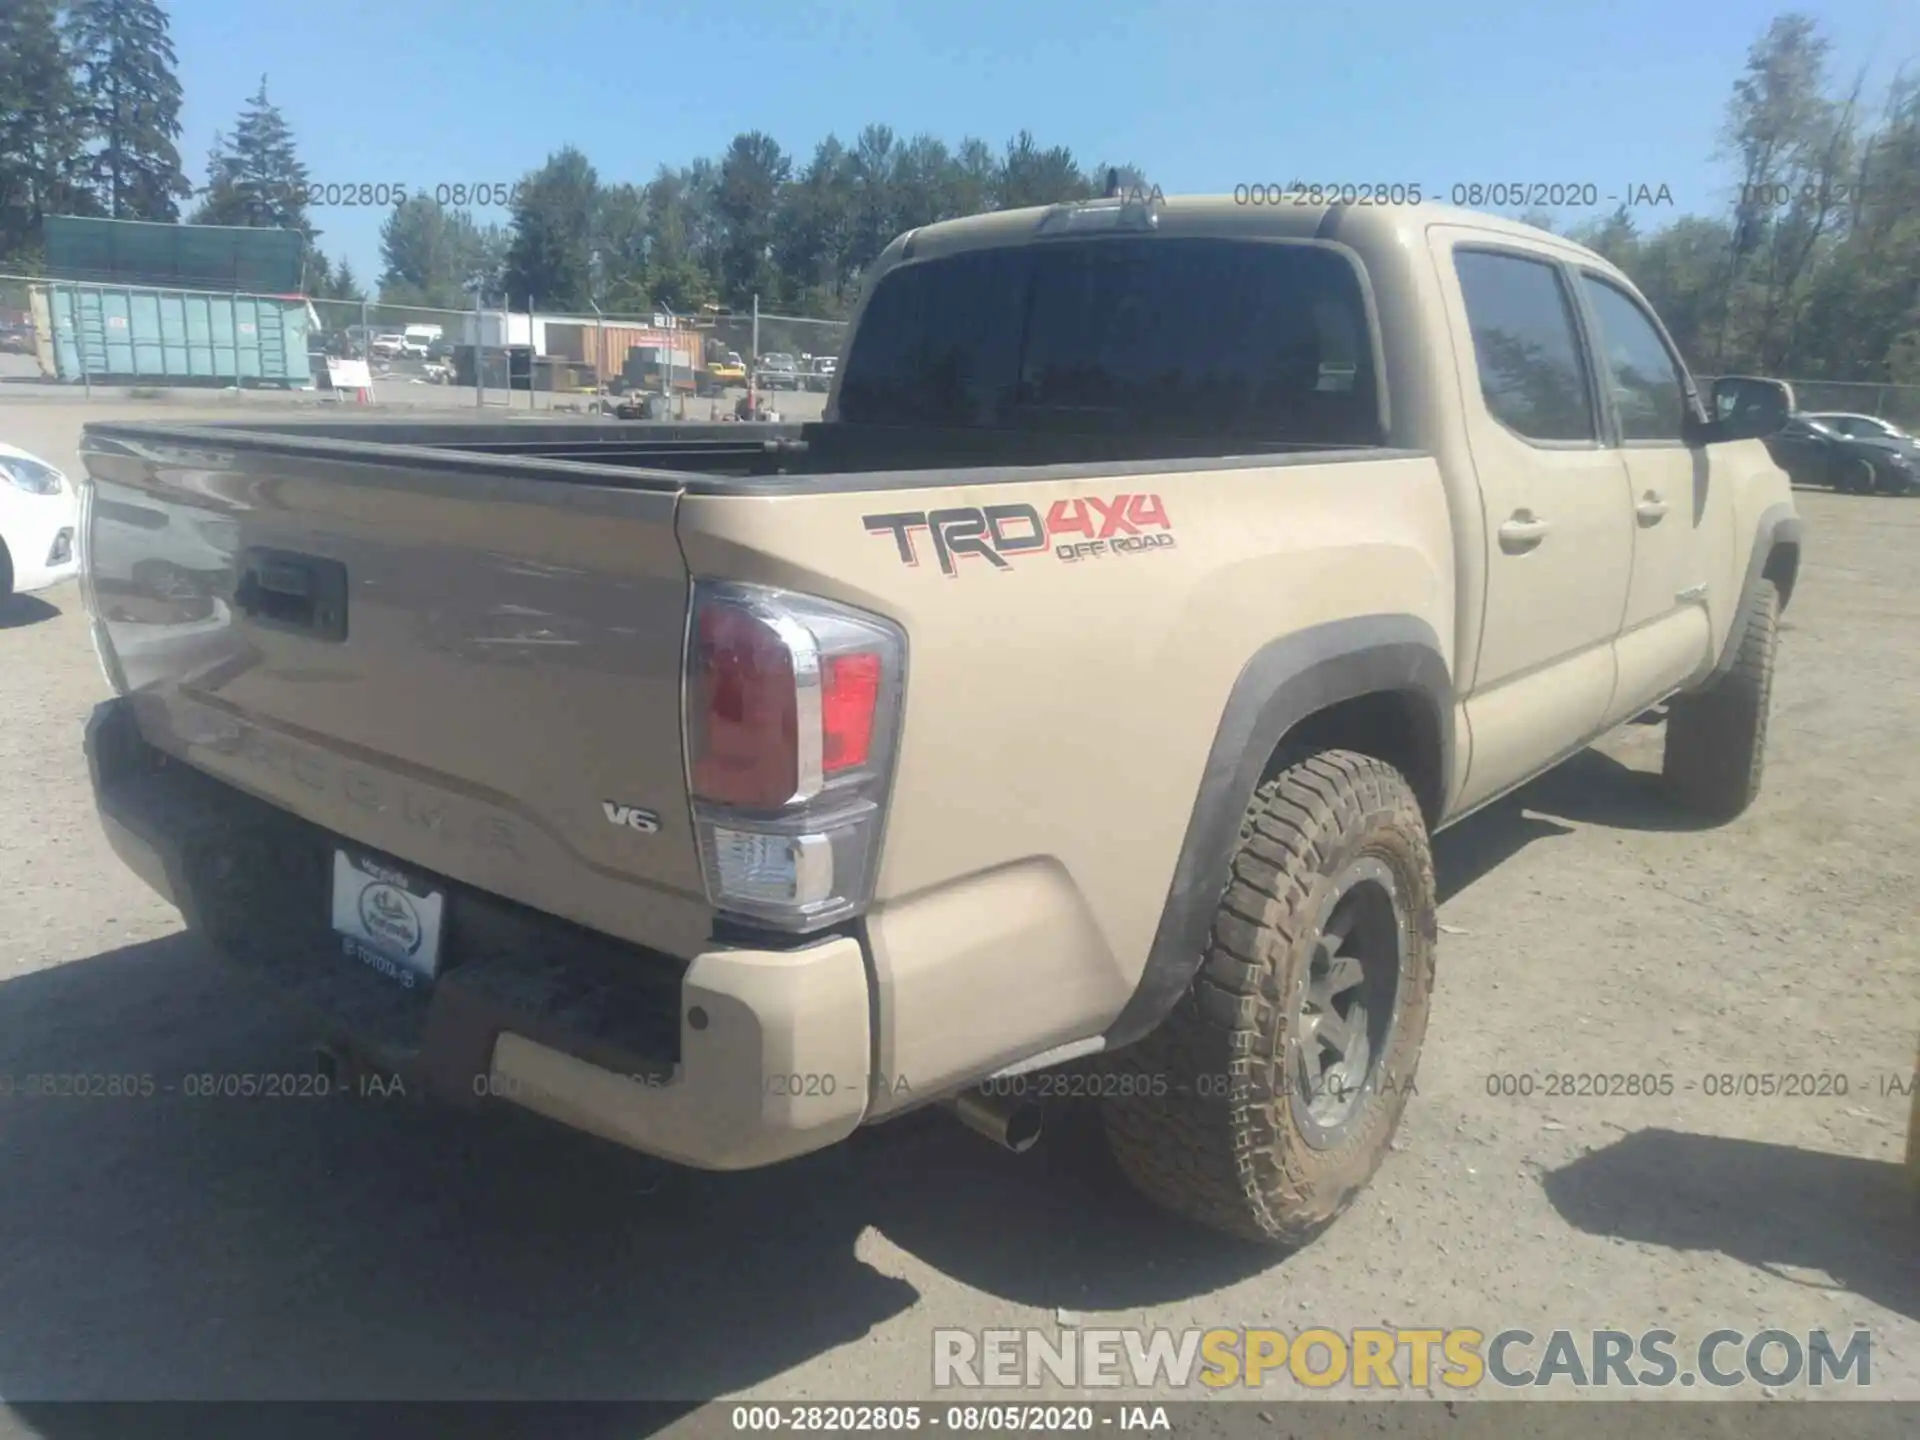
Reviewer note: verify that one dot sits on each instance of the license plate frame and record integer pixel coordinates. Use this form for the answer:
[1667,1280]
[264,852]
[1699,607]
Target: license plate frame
[388,920]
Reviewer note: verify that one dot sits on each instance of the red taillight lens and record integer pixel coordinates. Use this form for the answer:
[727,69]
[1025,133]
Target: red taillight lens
[793,711]
[744,732]
[849,698]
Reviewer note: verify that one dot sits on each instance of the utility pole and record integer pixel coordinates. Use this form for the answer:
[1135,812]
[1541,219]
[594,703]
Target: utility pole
[599,350]
[479,352]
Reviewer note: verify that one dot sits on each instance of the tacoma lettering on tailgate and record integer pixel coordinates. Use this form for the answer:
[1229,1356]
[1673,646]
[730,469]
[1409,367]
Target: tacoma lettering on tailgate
[999,534]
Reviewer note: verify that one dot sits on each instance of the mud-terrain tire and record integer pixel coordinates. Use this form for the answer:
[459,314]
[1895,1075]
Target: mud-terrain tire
[1716,749]
[1212,1115]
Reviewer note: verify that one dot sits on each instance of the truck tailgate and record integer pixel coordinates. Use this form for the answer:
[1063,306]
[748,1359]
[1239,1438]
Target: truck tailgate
[472,670]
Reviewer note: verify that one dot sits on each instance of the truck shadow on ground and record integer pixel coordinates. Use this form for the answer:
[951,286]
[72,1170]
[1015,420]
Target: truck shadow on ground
[356,1247]
[1591,788]
[19,611]
[1835,1222]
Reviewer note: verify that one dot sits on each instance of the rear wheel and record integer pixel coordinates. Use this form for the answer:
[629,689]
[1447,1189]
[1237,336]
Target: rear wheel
[1716,749]
[1265,1102]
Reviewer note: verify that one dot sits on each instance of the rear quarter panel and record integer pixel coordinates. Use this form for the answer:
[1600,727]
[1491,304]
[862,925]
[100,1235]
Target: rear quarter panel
[1059,713]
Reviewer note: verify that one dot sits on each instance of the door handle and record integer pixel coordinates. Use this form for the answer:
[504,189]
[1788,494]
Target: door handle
[1524,531]
[1651,508]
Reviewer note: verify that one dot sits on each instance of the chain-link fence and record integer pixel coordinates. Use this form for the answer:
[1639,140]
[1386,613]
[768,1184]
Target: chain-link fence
[1897,403]
[612,357]
[491,355]
[776,354]
[19,333]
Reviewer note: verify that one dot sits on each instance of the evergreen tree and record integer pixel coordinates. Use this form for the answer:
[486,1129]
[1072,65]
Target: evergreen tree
[130,102]
[325,281]
[256,178]
[751,179]
[431,255]
[550,256]
[41,130]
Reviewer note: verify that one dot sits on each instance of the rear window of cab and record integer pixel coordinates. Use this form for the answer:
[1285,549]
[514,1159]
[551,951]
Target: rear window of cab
[1170,336]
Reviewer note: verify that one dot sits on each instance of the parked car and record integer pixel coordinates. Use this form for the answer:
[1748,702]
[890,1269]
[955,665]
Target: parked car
[39,523]
[779,372]
[874,785]
[417,341]
[1856,454]
[16,340]
[389,344]
[820,373]
[730,371]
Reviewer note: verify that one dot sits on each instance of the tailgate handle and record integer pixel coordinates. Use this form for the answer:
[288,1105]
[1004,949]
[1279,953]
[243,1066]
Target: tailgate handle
[282,590]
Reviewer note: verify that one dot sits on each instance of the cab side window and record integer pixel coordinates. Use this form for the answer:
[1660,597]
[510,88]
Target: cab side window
[1649,390]
[1526,346]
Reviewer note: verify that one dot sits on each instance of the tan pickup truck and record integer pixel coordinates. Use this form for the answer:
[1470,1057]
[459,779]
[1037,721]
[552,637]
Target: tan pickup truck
[1068,712]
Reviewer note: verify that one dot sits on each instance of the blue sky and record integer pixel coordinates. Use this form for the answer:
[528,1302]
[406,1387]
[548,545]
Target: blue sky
[1203,94]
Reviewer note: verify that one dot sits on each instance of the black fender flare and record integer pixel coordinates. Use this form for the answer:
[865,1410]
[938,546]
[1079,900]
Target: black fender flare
[1285,682]
[1778,525]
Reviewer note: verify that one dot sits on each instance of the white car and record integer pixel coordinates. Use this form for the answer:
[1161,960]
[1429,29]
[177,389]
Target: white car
[39,524]
[388,345]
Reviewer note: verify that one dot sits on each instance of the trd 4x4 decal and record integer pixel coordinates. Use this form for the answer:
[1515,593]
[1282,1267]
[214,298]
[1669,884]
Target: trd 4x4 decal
[999,534]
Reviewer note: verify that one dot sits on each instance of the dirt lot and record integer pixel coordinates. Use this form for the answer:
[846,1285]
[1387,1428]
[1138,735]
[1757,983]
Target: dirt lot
[183,1247]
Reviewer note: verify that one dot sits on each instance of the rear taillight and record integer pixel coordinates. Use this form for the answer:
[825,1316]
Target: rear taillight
[792,708]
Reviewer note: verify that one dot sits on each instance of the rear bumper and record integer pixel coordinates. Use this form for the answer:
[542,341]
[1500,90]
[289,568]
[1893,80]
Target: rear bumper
[737,1059]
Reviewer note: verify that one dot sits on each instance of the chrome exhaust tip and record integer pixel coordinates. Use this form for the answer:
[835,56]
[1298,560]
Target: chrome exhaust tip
[1011,1122]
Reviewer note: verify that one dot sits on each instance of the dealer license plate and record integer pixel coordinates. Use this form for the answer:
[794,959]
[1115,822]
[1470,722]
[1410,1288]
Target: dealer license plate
[387,920]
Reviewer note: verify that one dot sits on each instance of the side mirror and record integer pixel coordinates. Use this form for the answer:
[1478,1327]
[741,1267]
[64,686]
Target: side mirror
[1747,408]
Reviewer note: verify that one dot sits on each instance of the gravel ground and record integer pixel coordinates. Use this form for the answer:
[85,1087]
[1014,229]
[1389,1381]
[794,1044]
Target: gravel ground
[195,1248]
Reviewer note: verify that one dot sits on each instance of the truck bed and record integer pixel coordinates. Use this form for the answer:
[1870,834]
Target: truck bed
[710,458]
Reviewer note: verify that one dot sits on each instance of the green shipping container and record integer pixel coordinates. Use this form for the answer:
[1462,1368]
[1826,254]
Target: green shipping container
[252,260]
[134,334]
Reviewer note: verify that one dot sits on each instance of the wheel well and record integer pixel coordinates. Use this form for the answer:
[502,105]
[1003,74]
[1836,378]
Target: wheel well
[1783,568]
[1397,726]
